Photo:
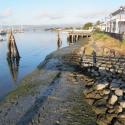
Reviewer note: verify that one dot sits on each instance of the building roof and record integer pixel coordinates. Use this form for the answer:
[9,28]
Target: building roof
[121,9]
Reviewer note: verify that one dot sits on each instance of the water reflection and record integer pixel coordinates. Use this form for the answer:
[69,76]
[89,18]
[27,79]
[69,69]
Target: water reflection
[59,41]
[14,68]
[33,48]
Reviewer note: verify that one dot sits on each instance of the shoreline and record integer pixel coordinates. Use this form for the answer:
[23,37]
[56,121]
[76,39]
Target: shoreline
[64,89]
[49,93]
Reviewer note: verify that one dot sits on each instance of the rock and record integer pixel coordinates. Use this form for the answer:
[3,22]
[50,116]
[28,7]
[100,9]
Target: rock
[102,72]
[118,109]
[112,70]
[90,101]
[90,83]
[99,110]
[114,80]
[119,92]
[119,81]
[57,123]
[96,74]
[93,95]
[117,122]
[101,68]
[121,116]
[87,91]
[122,104]
[111,110]
[114,85]
[101,86]
[122,85]
[113,99]
[106,91]
[85,65]
[100,102]
[109,117]
[119,71]
[109,106]
[102,120]
[106,97]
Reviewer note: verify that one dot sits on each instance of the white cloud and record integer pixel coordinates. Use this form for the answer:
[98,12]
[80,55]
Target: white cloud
[6,13]
[49,15]
[5,16]
[53,17]
[67,17]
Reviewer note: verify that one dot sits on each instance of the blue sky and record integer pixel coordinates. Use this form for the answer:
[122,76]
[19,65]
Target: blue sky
[48,12]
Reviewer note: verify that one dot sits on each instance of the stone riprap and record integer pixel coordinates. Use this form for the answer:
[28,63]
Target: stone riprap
[112,64]
[104,87]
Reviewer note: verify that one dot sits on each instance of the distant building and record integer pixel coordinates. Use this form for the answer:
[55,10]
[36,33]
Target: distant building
[101,26]
[115,23]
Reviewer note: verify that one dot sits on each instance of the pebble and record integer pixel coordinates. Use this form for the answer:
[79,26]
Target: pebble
[57,123]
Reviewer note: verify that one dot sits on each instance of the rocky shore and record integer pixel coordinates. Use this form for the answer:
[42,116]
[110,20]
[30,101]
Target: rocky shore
[51,95]
[105,91]
[65,91]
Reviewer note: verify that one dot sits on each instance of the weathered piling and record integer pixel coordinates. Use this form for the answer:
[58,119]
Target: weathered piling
[13,53]
[59,42]
[13,56]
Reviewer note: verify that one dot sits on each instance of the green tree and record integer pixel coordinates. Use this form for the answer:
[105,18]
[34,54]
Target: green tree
[98,22]
[88,25]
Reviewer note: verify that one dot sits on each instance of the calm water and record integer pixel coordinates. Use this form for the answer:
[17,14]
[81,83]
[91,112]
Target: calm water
[33,48]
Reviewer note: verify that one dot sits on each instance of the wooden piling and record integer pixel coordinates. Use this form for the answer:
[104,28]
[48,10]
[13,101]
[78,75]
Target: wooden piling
[59,42]
[13,52]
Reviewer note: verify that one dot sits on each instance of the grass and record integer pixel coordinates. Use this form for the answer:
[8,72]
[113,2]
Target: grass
[103,43]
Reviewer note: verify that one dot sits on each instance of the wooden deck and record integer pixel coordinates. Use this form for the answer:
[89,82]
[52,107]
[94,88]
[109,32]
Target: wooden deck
[74,35]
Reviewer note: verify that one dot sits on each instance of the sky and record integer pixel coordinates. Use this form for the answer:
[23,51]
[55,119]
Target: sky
[55,12]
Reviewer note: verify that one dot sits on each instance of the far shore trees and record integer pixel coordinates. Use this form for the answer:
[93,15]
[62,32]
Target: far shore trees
[88,26]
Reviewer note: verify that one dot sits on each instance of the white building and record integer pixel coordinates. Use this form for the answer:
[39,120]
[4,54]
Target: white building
[102,26]
[115,23]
